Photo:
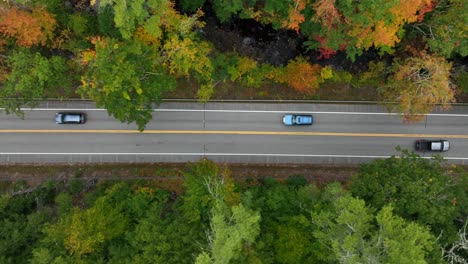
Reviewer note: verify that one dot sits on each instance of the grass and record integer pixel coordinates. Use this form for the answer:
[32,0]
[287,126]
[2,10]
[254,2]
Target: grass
[187,89]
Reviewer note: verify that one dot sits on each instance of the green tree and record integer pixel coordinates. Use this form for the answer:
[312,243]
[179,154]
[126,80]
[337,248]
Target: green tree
[294,241]
[32,77]
[86,231]
[161,233]
[224,9]
[457,252]
[83,235]
[232,226]
[126,79]
[127,15]
[445,29]
[192,5]
[169,34]
[419,189]
[285,225]
[23,215]
[197,199]
[355,234]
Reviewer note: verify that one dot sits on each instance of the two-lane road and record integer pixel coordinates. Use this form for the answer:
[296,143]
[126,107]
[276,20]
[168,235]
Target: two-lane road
[228,132]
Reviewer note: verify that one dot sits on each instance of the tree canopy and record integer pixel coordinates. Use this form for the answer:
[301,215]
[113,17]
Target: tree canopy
[420,190]
[125,78]
[173,45]
[406,210]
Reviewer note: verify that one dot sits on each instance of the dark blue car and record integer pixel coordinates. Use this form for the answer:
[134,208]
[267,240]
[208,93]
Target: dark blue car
[297,120]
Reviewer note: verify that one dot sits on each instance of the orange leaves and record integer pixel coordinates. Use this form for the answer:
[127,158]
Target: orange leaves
[360,25]
[300,75]
[90,54]
[384,35]
[295,17]
[427,7]
[147,38]
[383,31]
[411,10]
[326,12]
[28,28]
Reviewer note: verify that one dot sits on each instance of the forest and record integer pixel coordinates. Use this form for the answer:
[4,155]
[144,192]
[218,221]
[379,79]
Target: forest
[129,55]
[399,210]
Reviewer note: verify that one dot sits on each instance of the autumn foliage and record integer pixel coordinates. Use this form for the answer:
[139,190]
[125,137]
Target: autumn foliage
[295,17]
[327,13]
[300,75]
[360,25]
[27,27]
[418,84]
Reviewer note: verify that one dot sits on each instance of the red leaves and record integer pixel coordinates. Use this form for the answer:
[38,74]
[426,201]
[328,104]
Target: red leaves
[425,9]
[325,52]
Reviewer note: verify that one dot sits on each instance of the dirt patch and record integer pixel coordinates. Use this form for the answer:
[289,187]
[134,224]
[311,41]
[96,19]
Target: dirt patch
[250,38]
[168,176]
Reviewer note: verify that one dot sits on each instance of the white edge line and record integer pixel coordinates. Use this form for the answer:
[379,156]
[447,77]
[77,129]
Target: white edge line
[214,154]
[238,111]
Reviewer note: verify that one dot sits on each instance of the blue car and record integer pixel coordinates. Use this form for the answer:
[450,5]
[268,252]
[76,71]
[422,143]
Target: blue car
[297,120]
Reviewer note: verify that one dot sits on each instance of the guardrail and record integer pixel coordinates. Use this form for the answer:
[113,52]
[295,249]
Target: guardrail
[47,100]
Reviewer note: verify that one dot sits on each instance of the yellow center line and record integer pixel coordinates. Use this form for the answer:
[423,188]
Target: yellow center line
[234,132]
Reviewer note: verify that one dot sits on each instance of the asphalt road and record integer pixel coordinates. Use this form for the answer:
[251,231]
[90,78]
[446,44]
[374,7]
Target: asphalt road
[227,132]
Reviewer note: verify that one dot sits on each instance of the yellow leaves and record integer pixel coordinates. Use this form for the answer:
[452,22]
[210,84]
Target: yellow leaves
[418,84]
[326,73]
[254,13]
[244,65]
[81,237]
[145,190]
[138,90]
[180,55]
[87,56]
[454,201]
[62,38]
[385,35]
[125,95]
[145,37]
[188,23]
[184,56]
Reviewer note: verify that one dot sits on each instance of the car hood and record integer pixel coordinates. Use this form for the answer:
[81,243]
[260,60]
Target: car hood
[287,119]
[58,118]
